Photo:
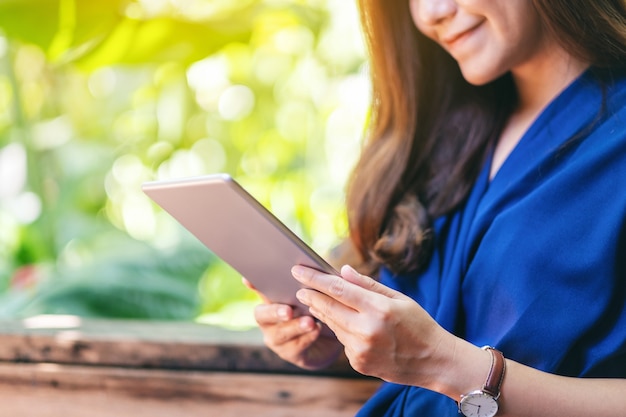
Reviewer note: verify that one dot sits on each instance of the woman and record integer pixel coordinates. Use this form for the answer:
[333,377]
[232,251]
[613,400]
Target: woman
[489,203]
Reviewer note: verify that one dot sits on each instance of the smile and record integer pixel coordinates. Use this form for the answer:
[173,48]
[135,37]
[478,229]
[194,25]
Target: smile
[454,38]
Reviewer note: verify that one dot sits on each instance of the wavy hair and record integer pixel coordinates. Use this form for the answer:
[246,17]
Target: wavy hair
[431,131]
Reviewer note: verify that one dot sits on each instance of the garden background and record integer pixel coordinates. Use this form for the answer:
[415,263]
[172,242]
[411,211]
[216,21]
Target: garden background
[98,96]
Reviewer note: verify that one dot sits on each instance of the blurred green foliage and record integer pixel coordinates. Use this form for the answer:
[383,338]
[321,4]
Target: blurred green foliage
[98,96]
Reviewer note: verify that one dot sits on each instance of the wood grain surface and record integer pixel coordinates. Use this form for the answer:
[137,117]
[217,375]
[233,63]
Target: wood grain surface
[106,368]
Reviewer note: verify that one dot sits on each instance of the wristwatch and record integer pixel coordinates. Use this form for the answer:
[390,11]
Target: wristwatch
[484,402]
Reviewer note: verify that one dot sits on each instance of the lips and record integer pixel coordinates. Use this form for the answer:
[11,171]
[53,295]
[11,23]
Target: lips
[454,37]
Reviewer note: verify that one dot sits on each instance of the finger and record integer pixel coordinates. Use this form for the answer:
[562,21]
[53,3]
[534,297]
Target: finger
[340,289]
[365,282]
[270,314]
[333,313]
[249,285]
[301,330]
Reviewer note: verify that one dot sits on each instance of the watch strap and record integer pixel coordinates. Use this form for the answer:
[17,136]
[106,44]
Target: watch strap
[496,372]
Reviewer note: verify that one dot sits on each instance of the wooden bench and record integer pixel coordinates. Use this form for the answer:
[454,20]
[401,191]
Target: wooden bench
[65,366]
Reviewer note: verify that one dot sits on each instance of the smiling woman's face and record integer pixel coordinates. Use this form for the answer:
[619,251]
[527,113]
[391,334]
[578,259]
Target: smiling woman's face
[486,37]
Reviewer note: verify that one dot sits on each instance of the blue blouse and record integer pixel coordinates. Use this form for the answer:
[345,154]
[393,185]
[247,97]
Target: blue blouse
[534,262]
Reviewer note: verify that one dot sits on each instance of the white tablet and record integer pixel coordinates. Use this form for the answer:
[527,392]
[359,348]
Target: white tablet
[238,229]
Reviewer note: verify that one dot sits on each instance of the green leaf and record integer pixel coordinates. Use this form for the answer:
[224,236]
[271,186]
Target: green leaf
[56,26]
[131,281]
[30,21]
[97,33]
[160,40]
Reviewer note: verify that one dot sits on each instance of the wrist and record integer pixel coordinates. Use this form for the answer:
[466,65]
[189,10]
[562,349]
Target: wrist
[462,368]
[483,402]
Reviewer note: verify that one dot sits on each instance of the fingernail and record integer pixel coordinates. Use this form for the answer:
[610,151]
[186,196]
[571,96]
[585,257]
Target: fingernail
[296,271]
[301,295]
[306,323]
[283,313]
[348,268]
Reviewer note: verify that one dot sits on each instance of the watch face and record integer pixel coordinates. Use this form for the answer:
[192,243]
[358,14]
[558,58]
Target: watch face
[478,404]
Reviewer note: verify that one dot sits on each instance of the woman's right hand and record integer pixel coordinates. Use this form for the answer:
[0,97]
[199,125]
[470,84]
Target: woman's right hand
[299,340]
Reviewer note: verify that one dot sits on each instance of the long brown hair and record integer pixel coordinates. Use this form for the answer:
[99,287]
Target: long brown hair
[430,130]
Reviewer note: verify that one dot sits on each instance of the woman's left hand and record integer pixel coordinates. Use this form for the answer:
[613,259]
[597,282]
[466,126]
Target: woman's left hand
[385,333]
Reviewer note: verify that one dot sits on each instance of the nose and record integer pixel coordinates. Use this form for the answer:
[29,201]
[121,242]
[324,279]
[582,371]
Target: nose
[432,12]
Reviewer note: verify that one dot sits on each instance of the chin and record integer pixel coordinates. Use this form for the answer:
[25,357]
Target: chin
[478,79]
[480,76]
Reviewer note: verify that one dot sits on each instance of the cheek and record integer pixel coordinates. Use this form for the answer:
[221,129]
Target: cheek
[427,30]
[413,5]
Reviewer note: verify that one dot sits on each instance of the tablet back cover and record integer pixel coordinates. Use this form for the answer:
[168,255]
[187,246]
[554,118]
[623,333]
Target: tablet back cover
[239,230]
